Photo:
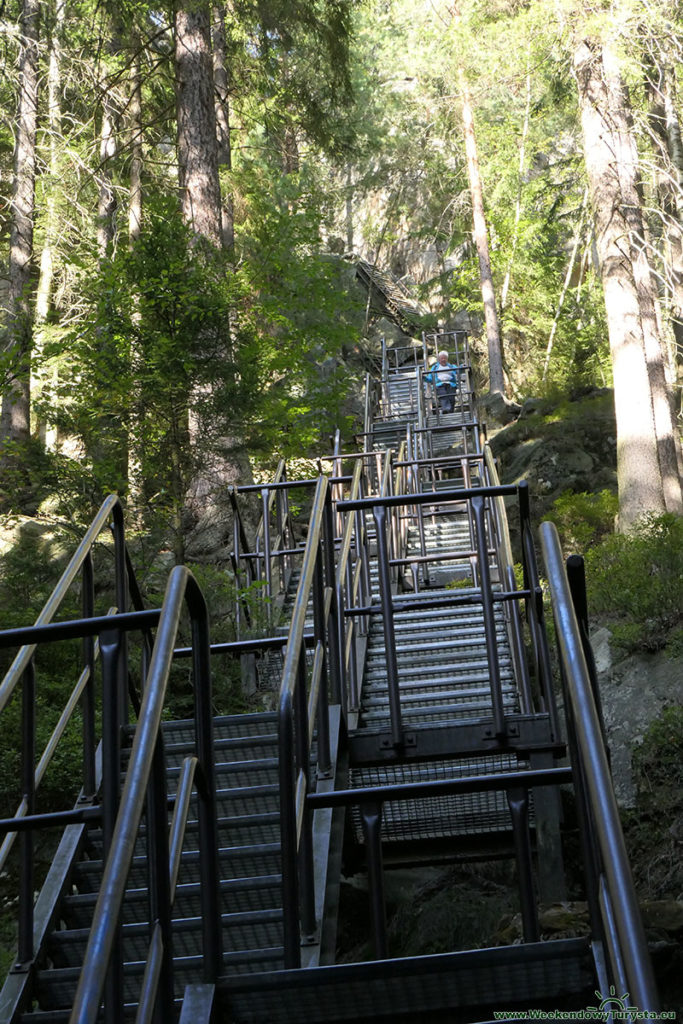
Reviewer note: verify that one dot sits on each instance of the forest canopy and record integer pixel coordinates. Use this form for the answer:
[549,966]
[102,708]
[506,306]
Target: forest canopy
[185,190]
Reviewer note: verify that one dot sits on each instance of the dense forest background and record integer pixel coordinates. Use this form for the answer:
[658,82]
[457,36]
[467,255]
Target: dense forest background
[185,190]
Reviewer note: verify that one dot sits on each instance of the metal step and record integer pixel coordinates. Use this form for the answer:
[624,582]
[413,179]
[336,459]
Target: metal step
[464,987]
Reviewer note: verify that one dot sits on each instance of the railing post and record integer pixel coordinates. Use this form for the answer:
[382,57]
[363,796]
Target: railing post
[305,860]
[159,880]
[489,616]
[535,615]
[121,581]
[576,575]
[279,526]
[208,824]
[88,698]
[267,568]
[110,650]
[27,842]
[319,626]
[383,569]
[336,632]
[518,802]
[290,875]
[371,819]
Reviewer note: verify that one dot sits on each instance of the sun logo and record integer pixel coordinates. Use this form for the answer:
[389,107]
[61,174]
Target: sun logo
[613,1005]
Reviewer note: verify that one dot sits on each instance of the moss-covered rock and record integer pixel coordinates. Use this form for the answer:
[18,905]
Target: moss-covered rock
[559,447]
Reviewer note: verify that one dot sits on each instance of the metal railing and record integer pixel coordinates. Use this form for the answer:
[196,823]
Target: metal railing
[485,595]
[79,573]
[274,550]
[145,787]
[612,901]
[303,713]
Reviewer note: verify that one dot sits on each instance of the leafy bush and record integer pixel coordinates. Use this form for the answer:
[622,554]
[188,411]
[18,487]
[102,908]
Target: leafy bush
[653,829]
[636,580]
[584,519]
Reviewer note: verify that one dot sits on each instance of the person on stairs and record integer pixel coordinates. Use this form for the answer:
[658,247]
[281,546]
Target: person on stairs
[445,377]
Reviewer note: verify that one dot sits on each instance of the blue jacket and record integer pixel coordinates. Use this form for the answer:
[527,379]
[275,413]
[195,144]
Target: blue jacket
[434,375]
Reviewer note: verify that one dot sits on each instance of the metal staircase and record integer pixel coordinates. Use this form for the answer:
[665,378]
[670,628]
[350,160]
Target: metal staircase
[413,711]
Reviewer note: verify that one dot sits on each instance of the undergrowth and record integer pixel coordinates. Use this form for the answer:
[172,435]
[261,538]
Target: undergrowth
[635,581]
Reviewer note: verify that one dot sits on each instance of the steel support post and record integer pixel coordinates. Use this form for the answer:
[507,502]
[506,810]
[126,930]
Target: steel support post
[371,818]
[489,617]
[26,840]
[518,802]
[379,514]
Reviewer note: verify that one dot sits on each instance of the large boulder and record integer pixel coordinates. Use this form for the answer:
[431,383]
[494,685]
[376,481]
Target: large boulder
[557,447]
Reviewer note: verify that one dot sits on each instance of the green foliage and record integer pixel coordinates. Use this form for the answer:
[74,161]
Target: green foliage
[298,305]
[155,340]
[636,580]
[653,829]
[584,519]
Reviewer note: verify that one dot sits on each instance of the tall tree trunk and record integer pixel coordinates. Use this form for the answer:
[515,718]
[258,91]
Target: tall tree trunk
[495,348]
[135,469]
[221,79]
[224,461]
[647,467]
[197,146]
[44,289]
[16,403]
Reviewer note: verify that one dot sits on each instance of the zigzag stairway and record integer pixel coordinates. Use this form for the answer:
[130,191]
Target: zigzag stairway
[413,719]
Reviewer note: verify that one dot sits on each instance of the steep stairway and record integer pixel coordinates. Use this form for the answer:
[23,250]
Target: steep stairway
[449,747]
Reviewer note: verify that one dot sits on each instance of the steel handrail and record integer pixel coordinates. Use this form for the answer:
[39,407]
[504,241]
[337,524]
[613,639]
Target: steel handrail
[181,590]
[633,950]
[294,725]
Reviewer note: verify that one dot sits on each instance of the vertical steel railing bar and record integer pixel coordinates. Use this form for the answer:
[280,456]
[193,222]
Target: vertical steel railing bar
[158,868]
[518,803]
[88,699]
[383,571]
[110,649]
[517,645]
[536,619]
[208,814]
[489,617]
[319,632]
[122,601]
[267,565]
[371,820]
[288,841]
[337,626]
[576,576]
[27,840]
[306,866]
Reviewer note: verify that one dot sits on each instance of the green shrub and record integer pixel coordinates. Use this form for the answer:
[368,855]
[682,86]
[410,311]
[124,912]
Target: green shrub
[636,581]
[584,519]
[653,828]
